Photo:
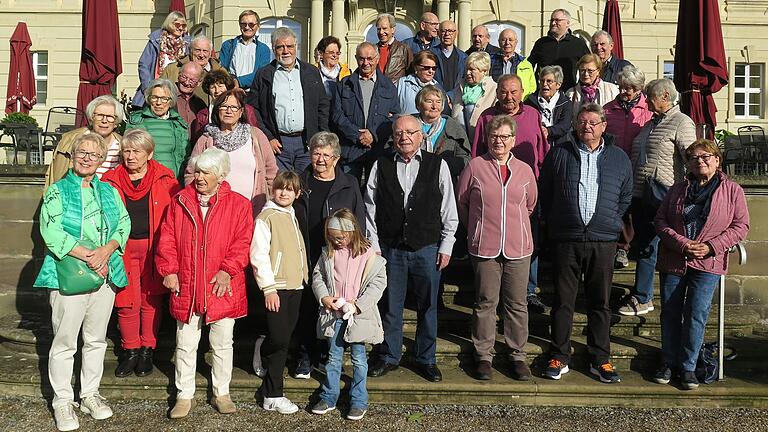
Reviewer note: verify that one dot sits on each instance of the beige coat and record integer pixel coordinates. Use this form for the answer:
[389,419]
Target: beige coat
[487,100]
[606,92]
[62,156]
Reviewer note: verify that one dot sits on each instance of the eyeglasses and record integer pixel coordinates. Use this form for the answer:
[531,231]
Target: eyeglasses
[503,138]
[323,156]
[433,24]
[161,99]
[558,19]
[234,108]
[333,53]
[590,124]
[285,47]
[448,31]
[248,25]
[179,26]
[702,157]
[80,154]
[409,134]
[101,117]
[366,59]
[587,71]
[432,68]
[188,80]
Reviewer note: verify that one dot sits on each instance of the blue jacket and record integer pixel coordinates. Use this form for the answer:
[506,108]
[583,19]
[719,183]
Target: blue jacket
[459,70]
[559,193]
[148,63]
[348,117]
[612,68]
[263,56]
[416,45]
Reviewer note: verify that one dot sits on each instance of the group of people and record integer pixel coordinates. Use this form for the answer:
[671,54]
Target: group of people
[339,193]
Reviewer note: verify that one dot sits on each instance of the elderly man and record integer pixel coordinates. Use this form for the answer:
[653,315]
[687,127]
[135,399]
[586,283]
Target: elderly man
[559,47]
[290,101]
[602,45]
[450,59]
[585,188]
[199,52]
[426,37]
[188,82]
[411,219]
[507,61]
[481,41]
[394,56]
[364,104]
[243,55]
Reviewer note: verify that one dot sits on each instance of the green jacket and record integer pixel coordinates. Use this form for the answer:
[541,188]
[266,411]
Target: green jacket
[68,215]
[171,137]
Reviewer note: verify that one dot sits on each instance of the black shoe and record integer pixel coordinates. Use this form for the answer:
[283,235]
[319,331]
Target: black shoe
[144,366]
[534,304]
[520,371]
[128,363]
[381,368]
[483,370]
[430,372]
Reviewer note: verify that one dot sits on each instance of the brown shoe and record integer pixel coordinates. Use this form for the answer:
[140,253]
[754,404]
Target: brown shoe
[483,370]
[223,404]
[520,371]
[181,408]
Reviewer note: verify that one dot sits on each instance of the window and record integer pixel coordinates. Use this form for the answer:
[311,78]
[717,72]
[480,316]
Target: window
[748,88]
[495,28]
[270,24]
[40,66]
[402,31]
[669,70]
[199,29]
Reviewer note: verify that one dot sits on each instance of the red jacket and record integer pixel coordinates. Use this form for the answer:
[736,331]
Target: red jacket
[196,250]
[626,125]
[163,185]
[727,224]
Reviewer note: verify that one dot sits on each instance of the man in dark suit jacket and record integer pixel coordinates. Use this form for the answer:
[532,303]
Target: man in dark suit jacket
[290,101]
[481,41]
[363,106]
[450,59]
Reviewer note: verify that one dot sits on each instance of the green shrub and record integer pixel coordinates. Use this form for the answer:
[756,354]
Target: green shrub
[19,118]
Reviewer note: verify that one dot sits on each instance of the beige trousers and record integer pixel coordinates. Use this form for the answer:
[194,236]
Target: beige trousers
[187,340]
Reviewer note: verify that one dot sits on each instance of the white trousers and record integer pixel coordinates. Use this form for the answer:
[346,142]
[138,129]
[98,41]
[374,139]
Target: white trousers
[68,314]
[187,340]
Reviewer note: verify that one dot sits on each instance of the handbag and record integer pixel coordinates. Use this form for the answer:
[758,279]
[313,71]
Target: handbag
[75,277]
[654,193]
[708,363]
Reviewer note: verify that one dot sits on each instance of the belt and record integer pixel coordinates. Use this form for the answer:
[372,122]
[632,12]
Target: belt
[294,134]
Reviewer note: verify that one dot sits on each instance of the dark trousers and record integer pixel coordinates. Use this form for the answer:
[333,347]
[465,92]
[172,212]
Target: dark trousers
[294,155]
[595,261]
[306,328]
[280,326]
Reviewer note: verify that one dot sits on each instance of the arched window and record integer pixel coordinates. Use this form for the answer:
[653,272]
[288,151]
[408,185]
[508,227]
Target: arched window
[268,25]
[496,27]
[402,31]
[199,29]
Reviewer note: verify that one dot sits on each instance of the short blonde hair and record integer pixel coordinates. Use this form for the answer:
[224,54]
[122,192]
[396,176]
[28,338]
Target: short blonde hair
[480,60]
[590,58]
[172,18]
[358,243]
[92,138]
[138,138]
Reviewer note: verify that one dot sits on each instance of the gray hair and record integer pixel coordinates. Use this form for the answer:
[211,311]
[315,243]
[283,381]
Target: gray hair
[601,33]
[658,87]
[93,138]
[554,70]
[481,60]
[427,90]
[282,33]
[632,77]
[590,108]
[499,121]
[172,18]
[212,161]
[163,83]
[564,12]
[367,44]
[105,100]
[202,37]
[138,138]
[388,17]
[324,139]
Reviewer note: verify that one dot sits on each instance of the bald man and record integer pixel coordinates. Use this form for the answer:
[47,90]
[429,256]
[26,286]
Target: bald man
[426,37]
[481,41]
[189,79]
[199,52]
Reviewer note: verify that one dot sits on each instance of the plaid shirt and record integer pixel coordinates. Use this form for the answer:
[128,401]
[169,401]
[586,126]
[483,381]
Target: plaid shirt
[589,180]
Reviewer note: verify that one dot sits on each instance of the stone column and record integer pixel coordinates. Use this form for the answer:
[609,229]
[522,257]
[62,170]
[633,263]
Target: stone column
[464,24]
[338,20]
[315,28]
[443,9]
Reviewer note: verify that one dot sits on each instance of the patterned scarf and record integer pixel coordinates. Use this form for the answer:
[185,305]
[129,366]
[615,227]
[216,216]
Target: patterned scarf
[698,200]
[627,106]
[590,91]
[171,48]
[232,141]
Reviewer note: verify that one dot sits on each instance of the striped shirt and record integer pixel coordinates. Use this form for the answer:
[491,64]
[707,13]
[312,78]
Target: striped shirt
[113,158]
[589,180]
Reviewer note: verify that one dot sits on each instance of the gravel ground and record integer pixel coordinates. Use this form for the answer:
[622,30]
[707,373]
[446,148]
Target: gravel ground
[32,414]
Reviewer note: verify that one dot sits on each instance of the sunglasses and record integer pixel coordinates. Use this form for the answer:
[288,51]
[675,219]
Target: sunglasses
[432,68]
[179,26]
[248,25]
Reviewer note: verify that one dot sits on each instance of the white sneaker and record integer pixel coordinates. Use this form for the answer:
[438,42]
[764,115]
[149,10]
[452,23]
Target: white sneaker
[283,405]
[66,419]
[95,406]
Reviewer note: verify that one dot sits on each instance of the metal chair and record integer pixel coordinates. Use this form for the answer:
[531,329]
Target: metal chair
[24,137]
[733,156]
[61,119]
[752,139]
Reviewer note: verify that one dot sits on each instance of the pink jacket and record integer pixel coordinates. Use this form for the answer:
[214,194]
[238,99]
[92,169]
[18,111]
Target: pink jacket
[726,225]
[266,166]
[626,125]
[497,216]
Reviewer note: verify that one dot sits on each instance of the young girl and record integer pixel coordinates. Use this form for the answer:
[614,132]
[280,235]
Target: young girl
[348,281]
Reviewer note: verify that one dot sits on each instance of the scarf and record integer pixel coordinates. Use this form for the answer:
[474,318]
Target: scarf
[547,108]
[170,47]
[627,106]
[123,181]
[330,74]
[698,200]
[232,141]
[431,132]
[470,93]
[590,91]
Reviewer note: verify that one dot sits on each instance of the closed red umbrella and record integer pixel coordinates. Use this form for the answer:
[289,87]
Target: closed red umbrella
[178,6]
[612,24]
[100,59]
[21,95]
[700,66]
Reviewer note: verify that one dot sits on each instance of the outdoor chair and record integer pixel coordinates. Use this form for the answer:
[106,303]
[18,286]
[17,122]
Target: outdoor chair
[752,139]
[61,119]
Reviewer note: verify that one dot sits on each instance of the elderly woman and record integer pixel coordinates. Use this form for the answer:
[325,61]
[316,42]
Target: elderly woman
[85,226]
[165,46]
[701,217]
[496,194]
[214,84]
[207,282]
[475,93]
[626,115]
[331,71]
[555,107]
[332,189]
[591,88]
[658,160]
[442,134]
[104,114]
[168,129]
[251,157]
[146,188]
[424,66]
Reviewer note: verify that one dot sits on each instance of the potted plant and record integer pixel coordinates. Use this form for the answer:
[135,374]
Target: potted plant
[24,129]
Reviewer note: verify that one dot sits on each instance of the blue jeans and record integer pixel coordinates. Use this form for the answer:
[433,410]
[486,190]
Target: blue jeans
[329,389]
[685,304]
[293,156]
[415,271]
[646,242]
[533,276]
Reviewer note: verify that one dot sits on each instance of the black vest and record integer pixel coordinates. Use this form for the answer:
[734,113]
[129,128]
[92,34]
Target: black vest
[418,225]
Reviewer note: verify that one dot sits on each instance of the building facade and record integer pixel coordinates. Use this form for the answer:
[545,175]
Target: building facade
[649,29]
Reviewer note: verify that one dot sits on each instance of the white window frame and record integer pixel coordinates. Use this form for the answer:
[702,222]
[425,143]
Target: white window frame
[747,90]
[38,77]
[664,69]
[269,24]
